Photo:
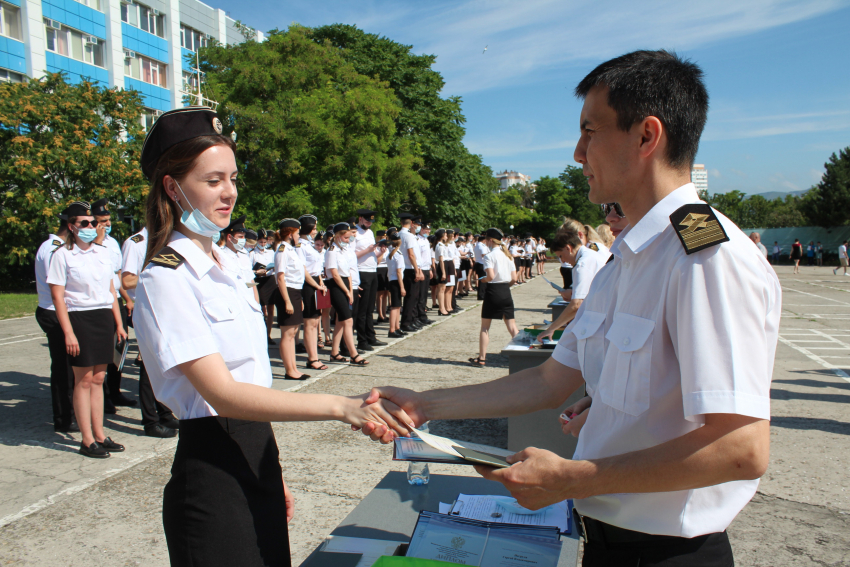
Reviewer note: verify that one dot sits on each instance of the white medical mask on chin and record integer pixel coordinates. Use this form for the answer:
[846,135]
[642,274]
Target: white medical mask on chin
[196,222]
[351,239]
[418,228]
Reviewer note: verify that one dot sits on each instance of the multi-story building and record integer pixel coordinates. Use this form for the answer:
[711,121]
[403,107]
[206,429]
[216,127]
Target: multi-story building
[699,177]
[508,178]
[116,43]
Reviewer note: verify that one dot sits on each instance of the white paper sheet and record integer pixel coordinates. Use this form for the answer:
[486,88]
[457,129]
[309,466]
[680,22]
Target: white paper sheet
[556,286]
[487,508]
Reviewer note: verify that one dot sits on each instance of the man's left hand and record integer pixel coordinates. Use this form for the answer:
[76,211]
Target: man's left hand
[539,478]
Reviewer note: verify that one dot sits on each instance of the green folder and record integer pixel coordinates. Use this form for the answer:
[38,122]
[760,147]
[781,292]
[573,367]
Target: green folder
[409,562]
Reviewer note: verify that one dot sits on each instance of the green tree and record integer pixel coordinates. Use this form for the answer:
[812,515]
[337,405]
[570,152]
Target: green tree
[551,205]
[828,203]
[576,197]
[314,135]
[460,187]
[61,143]
[510,211]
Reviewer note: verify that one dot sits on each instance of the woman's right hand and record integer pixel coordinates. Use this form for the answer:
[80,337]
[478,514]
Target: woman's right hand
[350,298]
[384,419]
[580,409]
[72,346]
[547,334]
[403,292]
[289,309]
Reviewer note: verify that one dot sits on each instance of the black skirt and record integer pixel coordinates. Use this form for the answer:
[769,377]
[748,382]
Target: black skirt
[395,294]
[498,302]
[465,264]
[308,296]
[95,331]
[383,278]
[266,288]
[339,300]
[224,504]
[297,317]
[449,269]
[517,263]
[479,270]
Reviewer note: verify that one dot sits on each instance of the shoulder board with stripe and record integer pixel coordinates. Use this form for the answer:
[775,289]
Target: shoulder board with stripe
[138,238]
[169,258]
[610,259]
[697,227]
[593,246]
[56,242]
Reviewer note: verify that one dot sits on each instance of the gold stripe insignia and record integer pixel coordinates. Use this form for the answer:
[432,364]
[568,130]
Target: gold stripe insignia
[57,242]
[593,246]
[698,227]
[169,258]
[138,238]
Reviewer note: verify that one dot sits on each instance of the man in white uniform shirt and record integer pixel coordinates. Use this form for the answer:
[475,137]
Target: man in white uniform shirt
[367,266]
[61,374]
[843,259]
[234,259]
[413,276]
[425,262]
[678,433]
[157,419]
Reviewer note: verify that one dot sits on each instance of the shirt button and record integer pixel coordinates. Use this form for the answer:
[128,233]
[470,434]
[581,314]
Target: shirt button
[626,341]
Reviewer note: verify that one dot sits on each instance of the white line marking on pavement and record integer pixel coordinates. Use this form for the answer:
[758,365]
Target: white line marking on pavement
[831,338]
[53,498]
[20,336]
[837,371]
[17,318]
[23,341]
[814,295]
[823,286]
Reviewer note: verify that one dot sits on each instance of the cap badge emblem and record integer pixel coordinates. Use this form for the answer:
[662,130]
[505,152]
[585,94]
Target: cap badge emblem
[217,125]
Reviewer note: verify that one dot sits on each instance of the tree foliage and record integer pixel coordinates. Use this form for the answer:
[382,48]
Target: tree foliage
[576,197]
[828,203]
[460,188]
[757,212]
[314,135]
[61,143]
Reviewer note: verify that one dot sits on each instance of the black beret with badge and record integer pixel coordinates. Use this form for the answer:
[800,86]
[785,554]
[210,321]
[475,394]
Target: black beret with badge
[236,225]
[426,224]
[367,214]
[250,235]
[100,207]
[77,209]
[494,233]
[341,227]
[288,223]
[177,126]
[261,233]
[405,216]
[308,220]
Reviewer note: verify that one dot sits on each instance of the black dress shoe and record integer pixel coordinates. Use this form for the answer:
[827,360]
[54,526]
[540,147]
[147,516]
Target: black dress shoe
[427,322]
[95,451]
[395,334]
[170,422]
[408,329]
[300,349]
[122,400]
[109,407]
[159,430]
[376,342]
[417,325]
[381,320]
[111,446]
[70,428]
[364,346]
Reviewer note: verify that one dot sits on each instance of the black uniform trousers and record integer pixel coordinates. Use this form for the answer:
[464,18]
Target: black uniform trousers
[411,300]
[481,273]
[152,409]
[711,550]
[112,384]
[61,374]
[421,314]
[364,323]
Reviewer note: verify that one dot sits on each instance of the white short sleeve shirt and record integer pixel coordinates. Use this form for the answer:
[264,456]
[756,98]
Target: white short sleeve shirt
[363,240]
[312,257]
[42,263]
[337,258]
[133,256]
[117,260]
[192,311]
[479,252]
[662,339]
[502,266]
[393,265]
[588,264]
[424,252]
[408,242]
[86,275]
[289,261]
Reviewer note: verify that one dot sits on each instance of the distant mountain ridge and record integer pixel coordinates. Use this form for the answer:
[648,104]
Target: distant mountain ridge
[771,195]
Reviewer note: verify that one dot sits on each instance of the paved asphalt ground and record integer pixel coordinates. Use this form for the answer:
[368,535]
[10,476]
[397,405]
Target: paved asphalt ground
[60,509]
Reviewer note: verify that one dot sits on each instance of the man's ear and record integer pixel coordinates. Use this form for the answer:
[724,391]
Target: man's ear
[652,133]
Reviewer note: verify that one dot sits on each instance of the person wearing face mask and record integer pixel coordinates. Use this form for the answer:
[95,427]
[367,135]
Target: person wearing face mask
[201,336]
[366,251]
[426,266]
[235,258]
[80,280]
[61,373]
[340,267]
[313,286]
[251,238]
[112,384]
[382,297]
[260,258]
[499,274]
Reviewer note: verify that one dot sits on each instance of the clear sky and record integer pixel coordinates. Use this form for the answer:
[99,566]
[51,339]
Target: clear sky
[778,72]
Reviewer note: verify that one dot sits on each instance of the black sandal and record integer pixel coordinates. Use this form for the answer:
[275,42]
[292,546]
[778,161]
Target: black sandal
[478,362]
[359,361]
[338,358]
[302,377]
[310,364]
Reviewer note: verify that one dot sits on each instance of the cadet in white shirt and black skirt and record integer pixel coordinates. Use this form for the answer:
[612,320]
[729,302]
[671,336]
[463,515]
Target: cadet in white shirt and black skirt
[339,267]
[500,275]
[80,279]
[203,341]
[290,276]
[313,285]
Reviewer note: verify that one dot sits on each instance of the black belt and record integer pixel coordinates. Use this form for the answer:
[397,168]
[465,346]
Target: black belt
[600,532]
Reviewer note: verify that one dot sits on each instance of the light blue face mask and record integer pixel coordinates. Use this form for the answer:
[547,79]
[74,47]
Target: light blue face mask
[108,229]
[196,222]
[239,243]
[87,234]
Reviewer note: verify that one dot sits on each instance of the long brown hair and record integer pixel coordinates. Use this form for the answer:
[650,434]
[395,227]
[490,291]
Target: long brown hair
[283,234]
[503,248]
[71,240]
[163,214]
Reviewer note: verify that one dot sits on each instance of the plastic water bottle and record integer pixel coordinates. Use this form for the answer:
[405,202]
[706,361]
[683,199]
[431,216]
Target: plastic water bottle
[418,473]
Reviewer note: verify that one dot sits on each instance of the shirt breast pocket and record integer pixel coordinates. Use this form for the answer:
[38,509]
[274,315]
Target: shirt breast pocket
[626,386]
[591,346]
[225,328]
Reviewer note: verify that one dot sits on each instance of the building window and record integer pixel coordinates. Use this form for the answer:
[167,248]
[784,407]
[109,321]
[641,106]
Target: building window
[144,69]
[190,82]
[10,77]
[149,116]
[71,43]
[144,18]
[10,21]
[191,39]
[95,4]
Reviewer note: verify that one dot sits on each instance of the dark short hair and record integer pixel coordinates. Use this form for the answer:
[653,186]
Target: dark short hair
[656,83]
[564,237]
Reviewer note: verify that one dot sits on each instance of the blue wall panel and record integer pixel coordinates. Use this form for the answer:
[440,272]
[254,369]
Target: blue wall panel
[13,55]
[13,2]
[75,15]
[143,42]
[153,96]
[183,53]
[76,70]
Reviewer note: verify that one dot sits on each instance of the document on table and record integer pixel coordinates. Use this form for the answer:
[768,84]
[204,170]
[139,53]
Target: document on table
[435,449]
[370,549]
[556,286]
[472,542]
[504,509]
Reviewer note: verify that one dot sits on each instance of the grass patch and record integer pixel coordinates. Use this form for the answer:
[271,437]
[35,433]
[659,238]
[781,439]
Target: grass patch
[17,305]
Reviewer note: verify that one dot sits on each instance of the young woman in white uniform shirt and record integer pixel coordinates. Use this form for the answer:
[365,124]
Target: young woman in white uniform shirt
[340,270]
[202,339]
[395,284]
[500,275]
[80,280]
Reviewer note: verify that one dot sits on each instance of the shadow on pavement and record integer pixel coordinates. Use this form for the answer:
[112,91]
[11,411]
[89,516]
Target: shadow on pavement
[815,383]
[810,423]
